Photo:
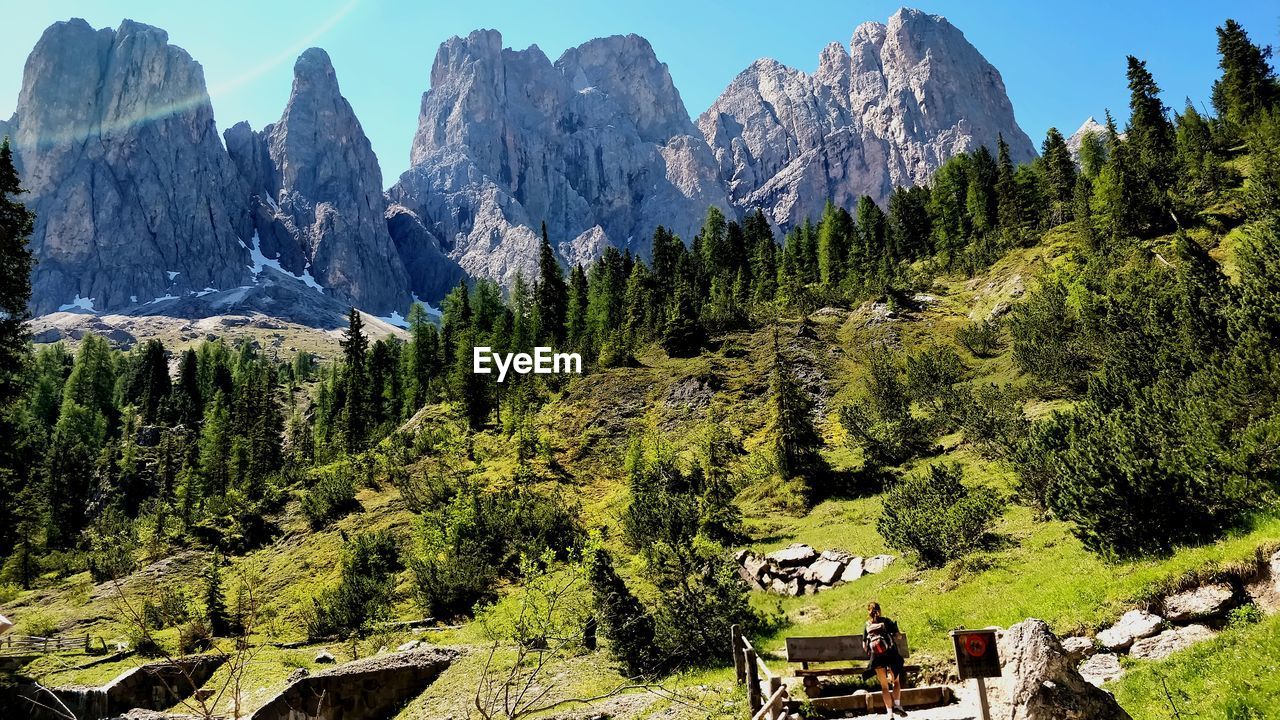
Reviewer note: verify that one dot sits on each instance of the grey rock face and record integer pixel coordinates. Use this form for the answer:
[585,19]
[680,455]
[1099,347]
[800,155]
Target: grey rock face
[134,195]
[317,190]
[1040,682]
[906,96]
[598,146]
[432,273]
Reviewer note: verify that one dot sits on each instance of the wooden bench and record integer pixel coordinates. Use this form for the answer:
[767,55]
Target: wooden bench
[838,648]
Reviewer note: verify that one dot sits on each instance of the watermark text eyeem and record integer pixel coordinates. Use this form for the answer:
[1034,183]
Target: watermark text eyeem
[543,361]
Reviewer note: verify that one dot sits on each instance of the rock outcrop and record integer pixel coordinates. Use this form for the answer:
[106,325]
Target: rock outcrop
[1133,625]
[1039,682]
[906,96]
[598,146]
[798,569]
[134,196]
[1202,603]
[317,193]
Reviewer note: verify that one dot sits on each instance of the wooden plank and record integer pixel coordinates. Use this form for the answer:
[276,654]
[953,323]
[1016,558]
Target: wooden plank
[753,679]
[735,640]
[836,648]
[826,649]
[819,672]
[775,707]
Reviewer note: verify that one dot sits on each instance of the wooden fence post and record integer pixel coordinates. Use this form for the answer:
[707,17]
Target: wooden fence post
[735,641]
[753,680]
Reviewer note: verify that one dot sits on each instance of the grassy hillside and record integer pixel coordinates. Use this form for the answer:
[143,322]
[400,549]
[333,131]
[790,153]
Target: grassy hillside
[1031,567]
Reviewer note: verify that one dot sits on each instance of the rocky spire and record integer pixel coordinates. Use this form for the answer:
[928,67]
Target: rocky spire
[318,191]
[134,196]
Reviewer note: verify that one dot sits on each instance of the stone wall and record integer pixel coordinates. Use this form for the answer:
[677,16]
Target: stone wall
[360,690]
[153,687]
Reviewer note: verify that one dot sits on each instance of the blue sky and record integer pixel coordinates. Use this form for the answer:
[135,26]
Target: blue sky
[1061,61]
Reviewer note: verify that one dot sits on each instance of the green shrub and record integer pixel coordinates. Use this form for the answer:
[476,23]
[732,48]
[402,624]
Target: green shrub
[882,424]
[1247,614]
[936,517]
[481,536]
[369,564]
[981,337]
[333,496]
[993,420]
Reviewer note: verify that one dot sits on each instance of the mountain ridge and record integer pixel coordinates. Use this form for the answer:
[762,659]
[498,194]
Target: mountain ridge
[597,145]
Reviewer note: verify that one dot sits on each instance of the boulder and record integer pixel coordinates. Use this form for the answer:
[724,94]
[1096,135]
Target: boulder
[793,555]
[1169,642]
[1039,682]
[1078,648]
[878,563]
[853,570]
[824,571]
[324,657]
[1202,603]
[1131,626]
[1101,668]
[755,565]
[841,556]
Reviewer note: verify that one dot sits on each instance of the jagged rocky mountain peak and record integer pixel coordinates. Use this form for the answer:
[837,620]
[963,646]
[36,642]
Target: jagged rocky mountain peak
[905,96]
[135,197]
[598,145]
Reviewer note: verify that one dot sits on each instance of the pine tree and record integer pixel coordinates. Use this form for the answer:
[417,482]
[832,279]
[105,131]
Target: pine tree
[682,334]
[1008,207]
[576,313]
[356,412]
[834,237]
[215,601]
[16,262]
[623,619]
[551,299]
[1149,147]
[1248,84]
[764,258]
[795,439]
[909,225]
[1060,177]
[189,406]
[980,197]
[870,231]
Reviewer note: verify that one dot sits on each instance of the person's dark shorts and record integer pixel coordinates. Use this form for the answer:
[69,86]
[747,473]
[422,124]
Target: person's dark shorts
[890,660]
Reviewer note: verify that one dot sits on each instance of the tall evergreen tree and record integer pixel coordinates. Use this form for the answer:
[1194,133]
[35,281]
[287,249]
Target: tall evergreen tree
[980,196]
[1149,147]
[1059,175]
[835,234]
[795,439]
[355,413]
[551,297]
[1248,84]
[16,263]
[576,311]
[1008,207]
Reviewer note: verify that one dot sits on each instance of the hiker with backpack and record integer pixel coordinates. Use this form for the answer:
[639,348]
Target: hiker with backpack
[886,663]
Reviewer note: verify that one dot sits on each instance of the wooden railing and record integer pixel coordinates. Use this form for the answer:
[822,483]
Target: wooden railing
[766,693]
[35,643]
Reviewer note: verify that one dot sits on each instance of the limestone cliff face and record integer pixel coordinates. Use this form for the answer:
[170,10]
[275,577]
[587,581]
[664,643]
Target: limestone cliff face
[902,99]
[598,146]
[317,193]
[134,195]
